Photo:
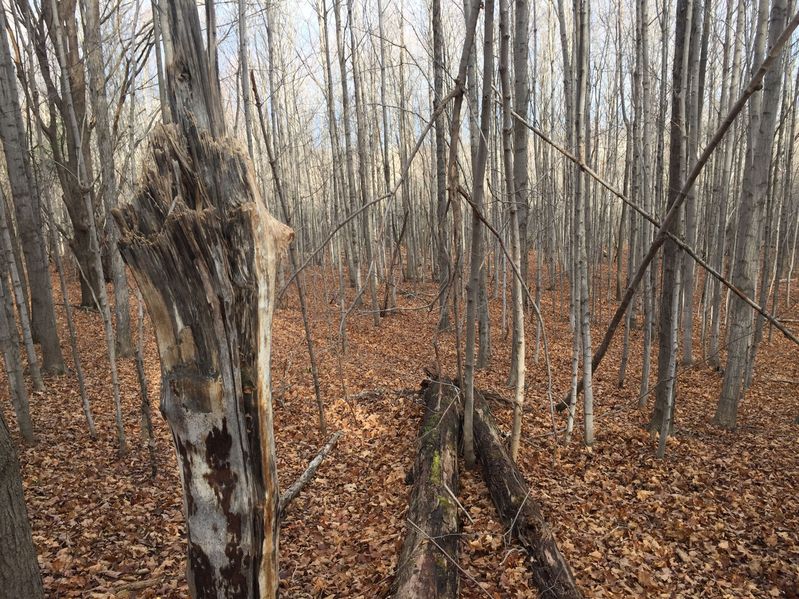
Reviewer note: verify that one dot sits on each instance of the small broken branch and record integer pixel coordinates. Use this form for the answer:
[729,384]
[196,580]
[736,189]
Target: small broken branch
[294,490]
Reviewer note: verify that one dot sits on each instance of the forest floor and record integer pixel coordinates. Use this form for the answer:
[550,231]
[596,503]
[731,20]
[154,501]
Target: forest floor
[719,517]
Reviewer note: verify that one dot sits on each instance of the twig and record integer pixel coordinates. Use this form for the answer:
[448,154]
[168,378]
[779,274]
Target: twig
[460,505]
[294,490]
[509,532]
[450,558]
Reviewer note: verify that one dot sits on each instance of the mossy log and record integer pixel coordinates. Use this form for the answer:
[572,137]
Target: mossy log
[519,510]
[427,563]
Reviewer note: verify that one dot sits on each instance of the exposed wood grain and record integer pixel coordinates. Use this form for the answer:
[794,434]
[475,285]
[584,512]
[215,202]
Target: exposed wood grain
[205,252]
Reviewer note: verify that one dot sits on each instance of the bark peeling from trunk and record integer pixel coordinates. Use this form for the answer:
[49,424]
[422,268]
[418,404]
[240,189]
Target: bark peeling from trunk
[205,252]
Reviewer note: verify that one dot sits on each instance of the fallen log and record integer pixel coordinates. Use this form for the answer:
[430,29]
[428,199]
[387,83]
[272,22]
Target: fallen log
[427,564]
[518,510]
[294,490]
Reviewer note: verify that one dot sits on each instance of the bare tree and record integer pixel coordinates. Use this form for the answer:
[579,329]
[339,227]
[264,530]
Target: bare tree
[753,195]
[101,297]
[442,255]
[95,64]
[666,323]
[518,355]
[476,257]
[27,209]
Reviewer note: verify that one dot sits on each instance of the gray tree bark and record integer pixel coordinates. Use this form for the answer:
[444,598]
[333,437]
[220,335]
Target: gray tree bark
[518,355]
[521,100]
[363,172]
[95,65]
[9,345]
[745,259]
[19,571]
[666,323]
[28,212]
[67,102]
[100,299]
[16,296]
[442,254]
[346,117]
[476,257]
[582,212]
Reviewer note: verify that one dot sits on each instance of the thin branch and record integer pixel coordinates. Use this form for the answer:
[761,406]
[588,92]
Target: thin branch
[294,490]
[682,244]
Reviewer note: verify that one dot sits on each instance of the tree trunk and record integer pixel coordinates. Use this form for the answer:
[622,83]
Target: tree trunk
[145,411]
[426,567]
[9,345]
[95,65]
[68,101]
[166,113]
[521,100]
[442,255]
[582,213]
[724,188]
[19,570]
[8,268]
[339,187]
[518,353]
[205,253]
[28,212]
[354,267]
[244,73]
[476,257]
[96,267]
[363,171]
[745,259]
[693,119]
[670,257]
[519,511]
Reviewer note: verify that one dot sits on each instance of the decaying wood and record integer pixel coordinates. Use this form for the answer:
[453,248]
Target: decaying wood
[518,510]
[204,252]
[206,270]
[294,490]
[423,569]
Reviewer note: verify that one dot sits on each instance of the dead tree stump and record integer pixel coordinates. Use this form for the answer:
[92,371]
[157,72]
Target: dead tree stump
[204,252]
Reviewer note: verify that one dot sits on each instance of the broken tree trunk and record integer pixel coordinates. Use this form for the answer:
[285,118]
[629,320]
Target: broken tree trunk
[204,252]
[518,510]
[427,564]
